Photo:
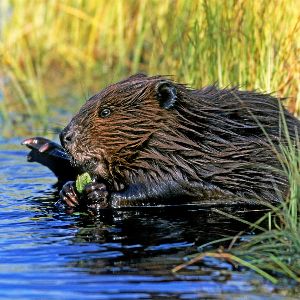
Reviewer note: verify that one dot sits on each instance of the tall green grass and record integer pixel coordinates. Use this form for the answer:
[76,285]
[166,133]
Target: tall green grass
[55,50]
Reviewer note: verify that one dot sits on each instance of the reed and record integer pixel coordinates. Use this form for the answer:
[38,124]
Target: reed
[54,53]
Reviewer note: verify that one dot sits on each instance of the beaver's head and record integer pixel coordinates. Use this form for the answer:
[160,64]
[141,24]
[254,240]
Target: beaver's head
[124,127]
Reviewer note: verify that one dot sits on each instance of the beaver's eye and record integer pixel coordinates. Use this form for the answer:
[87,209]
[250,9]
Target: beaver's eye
[105,112]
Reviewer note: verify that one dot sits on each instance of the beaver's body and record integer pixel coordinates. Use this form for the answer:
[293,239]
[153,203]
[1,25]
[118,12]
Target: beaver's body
[148,141]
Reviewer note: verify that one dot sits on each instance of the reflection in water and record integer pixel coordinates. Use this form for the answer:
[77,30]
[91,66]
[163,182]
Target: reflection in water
[140,239]
[47,253]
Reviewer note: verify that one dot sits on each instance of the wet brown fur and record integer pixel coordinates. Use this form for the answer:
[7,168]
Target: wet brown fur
[212,137]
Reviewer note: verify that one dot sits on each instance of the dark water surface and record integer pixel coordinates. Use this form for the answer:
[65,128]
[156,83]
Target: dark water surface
[46,253]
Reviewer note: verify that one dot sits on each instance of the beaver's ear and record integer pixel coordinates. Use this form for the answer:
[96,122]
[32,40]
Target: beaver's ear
[166,94]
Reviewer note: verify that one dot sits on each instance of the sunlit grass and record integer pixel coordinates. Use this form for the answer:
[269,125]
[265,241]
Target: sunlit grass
[46,46]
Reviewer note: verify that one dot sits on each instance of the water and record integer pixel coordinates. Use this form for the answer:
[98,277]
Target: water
[46,253]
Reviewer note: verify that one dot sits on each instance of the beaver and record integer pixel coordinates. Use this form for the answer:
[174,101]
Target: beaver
[148,140]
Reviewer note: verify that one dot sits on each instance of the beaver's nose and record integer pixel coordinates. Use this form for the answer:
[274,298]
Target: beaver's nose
[66,137]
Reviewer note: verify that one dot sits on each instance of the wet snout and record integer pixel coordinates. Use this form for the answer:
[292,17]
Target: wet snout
[67,136]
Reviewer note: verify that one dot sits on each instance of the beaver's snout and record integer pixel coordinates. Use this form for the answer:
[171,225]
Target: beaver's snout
[66,137]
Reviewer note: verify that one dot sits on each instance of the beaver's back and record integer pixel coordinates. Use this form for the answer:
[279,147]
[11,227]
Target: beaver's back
[239,137]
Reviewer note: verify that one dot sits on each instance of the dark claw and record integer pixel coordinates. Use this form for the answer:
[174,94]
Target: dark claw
[68,194]
[44,145]
[96,195]
[93,186]
[36,142]
[51,155]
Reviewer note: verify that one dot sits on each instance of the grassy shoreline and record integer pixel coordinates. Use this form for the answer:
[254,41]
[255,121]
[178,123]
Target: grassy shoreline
[48,45]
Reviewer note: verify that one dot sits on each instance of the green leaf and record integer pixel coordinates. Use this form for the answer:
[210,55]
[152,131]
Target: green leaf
[82,180]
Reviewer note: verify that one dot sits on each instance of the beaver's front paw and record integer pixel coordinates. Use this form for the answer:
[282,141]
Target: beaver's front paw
[96,195]
[69,195]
